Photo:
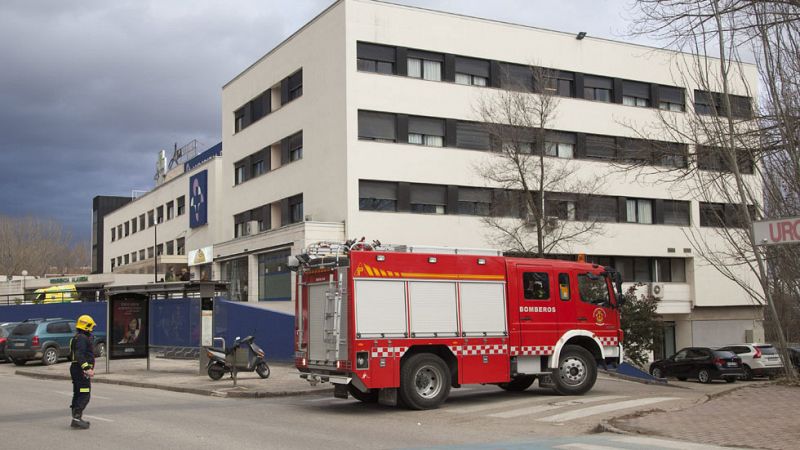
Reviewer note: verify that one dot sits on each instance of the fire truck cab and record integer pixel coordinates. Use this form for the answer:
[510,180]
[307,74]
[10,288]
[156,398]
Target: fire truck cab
[405,324]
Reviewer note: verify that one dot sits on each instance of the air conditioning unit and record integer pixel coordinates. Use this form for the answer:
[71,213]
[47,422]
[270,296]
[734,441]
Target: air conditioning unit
[657,290]
[251,227]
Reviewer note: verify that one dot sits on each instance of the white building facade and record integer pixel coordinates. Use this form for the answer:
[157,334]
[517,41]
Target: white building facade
[363,123]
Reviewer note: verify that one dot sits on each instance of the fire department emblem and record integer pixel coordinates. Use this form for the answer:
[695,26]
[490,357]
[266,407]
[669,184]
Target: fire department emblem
[599,315]
[359,270]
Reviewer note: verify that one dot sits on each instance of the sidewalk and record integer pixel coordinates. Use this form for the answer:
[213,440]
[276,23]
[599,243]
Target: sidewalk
[184,376]
[763,415]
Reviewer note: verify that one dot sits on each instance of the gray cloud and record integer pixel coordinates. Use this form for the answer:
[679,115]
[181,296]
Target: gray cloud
[91,90]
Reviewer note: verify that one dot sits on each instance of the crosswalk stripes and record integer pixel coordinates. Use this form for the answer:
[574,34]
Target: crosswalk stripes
[495,405]
[600,409]
[558,405]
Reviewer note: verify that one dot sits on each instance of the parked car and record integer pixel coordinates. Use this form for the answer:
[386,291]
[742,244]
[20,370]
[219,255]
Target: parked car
[701,363]
[758,360]
[46,340]
[794,353]
[5,331]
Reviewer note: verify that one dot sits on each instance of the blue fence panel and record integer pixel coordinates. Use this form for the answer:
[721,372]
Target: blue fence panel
[18,313]
[175,322]
[273,331]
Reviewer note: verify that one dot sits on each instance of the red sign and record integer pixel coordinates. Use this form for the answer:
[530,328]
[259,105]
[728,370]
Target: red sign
[778,231]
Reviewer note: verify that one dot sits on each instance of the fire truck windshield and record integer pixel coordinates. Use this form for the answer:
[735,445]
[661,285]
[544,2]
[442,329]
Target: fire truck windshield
[593,289]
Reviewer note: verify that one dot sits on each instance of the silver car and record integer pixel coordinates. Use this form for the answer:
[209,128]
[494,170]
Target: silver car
[758,360]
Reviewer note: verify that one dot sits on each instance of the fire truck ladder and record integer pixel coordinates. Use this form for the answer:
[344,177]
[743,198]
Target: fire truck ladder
[333,318]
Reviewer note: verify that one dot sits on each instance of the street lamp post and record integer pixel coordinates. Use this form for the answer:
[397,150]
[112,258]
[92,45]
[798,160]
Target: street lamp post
[24,275]
[155,250]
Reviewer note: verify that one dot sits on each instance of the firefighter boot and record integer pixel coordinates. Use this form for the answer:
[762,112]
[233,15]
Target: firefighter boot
[77,420]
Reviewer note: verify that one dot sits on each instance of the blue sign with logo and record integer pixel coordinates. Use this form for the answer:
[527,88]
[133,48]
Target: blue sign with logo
[198,199]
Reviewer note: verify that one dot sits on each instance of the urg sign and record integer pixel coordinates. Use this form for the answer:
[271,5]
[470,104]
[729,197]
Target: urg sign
[778,231]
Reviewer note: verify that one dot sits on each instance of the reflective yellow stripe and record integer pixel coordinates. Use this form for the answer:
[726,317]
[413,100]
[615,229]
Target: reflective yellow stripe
[85,389]
[84,365]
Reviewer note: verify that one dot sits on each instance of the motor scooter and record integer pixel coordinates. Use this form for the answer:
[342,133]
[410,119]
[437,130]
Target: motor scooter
[221,360]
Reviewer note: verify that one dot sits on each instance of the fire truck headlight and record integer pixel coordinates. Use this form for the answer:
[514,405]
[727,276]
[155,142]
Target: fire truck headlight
[362,360]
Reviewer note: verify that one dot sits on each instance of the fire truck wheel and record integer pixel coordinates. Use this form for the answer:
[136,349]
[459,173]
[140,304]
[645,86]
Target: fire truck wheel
[366,397]
[577,371]
[424,381]
[519,384]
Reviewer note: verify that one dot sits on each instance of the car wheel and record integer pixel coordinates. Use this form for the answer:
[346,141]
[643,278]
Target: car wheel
[576,373]
[748,373]
[50,356]
[730,379]
[424,381]
[518,384]
[370,396]
[656,372]
[19,362]
[704,376]
[100,349]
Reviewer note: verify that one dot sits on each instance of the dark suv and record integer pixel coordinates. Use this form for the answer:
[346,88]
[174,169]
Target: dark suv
[46,340]
[701,363]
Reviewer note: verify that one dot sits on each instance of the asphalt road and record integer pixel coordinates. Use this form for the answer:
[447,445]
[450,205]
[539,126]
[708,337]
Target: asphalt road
[34,414]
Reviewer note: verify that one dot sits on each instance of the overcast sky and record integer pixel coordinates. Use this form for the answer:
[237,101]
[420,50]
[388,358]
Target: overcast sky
[91,90]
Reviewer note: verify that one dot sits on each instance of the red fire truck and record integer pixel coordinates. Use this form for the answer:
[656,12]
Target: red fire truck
[401,323]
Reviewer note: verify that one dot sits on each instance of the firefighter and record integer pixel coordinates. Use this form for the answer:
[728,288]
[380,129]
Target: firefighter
[81,352]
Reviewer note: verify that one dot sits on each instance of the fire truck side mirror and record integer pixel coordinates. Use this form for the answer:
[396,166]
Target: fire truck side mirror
[618,284]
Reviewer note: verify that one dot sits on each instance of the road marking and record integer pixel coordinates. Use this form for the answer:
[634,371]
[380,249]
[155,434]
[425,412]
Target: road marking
[98,418]
[557,405]
[496,405]
[586,447]
[600,409]
[69,394]
[663,443]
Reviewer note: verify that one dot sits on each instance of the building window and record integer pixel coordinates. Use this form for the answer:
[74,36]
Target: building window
[635,94]
[181,205]
[295,85]
[127,229]
[597,88]
[296,146]
[505,203]
[428,198]
[559,144]
[134,224]
[238,120]
[261,106]
[717,159]
[425,65]
[113,234]
[474,201]
[426,131]
[181,244]
[258,168]
[133,257]
[170,247]
[240,229]
[636,151]
[141,255]
[670,154]
[601,209]
[377,196]
[639,211]
[560,84]
[150,252]
[160,214]
[376,126]
[170,210]
[560,208]
[151,218]
[296,209]
[670,270]
[239,176]
[516,77]
[160,249]
[710,103]
[274,277]
[472,135]
[470,71]
[676,213]
[113,264]
[671,99]
[375,58]
[601,147]
[119,260]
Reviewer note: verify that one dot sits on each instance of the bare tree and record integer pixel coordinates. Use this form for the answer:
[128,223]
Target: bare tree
[544,192]
[38,246]
[743,161]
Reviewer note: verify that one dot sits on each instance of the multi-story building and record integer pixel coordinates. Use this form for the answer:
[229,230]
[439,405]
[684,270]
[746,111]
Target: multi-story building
[363,123]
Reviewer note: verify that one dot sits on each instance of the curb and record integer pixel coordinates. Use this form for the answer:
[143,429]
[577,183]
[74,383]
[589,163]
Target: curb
[639,380]
[186,390]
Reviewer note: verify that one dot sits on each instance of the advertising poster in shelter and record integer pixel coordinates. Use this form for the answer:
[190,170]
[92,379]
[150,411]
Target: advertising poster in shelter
[128,338]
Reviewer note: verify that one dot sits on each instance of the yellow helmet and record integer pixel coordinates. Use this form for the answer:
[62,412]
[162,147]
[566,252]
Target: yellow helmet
[85,323]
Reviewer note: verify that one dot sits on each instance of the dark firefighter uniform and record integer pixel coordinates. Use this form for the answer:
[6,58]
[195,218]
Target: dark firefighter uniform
[82,357]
